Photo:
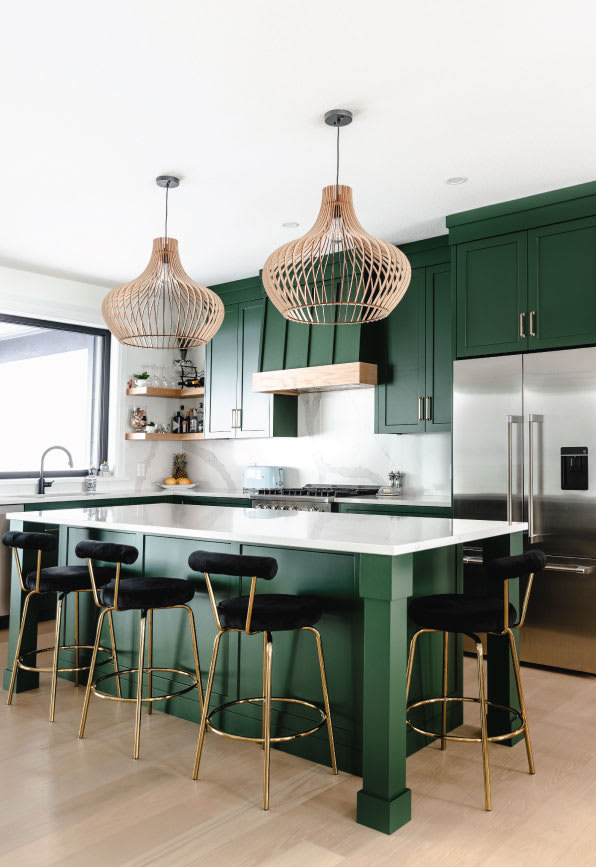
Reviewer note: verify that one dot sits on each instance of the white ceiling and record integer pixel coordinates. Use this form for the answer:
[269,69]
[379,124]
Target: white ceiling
[99,98]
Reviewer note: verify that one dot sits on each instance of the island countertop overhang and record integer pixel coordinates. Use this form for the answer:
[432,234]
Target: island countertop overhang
[345,533]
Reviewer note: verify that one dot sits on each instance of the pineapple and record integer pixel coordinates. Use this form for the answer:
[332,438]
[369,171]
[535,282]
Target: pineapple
[179,466]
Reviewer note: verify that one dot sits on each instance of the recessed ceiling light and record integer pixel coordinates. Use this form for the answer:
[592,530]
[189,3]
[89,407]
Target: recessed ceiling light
[290,225]
[456,180]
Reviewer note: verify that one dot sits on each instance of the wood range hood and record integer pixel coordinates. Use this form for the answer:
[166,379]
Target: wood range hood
[325,377]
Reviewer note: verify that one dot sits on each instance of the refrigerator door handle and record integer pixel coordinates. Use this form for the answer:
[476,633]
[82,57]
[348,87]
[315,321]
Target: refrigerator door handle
[532,419]
[511,420]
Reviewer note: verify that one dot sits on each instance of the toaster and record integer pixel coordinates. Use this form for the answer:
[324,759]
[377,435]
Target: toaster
[262,477]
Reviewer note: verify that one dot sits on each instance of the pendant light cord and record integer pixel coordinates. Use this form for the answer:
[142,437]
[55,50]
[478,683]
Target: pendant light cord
[337,166]
[166,220]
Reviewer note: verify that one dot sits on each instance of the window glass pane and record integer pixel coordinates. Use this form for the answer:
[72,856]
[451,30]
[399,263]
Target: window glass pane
[51,386]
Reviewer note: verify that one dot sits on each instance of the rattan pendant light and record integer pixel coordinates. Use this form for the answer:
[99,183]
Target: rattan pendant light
[163,308]
[337,273]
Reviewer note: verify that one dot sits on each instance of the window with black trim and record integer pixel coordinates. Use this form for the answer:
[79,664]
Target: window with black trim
[54,383]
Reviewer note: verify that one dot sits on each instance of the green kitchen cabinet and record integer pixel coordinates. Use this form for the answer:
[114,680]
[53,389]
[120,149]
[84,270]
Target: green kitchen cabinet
[232,409]
[492,295]
[415,391]
[562,284]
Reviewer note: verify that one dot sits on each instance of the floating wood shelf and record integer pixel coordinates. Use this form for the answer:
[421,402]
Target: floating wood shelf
[325,377]
[149,391]
[166,436]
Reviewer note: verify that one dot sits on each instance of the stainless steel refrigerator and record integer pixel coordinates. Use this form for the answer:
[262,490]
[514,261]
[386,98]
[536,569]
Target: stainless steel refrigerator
[524,449]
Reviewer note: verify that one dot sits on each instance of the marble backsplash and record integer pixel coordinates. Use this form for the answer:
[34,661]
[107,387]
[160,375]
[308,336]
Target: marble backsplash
[336,444]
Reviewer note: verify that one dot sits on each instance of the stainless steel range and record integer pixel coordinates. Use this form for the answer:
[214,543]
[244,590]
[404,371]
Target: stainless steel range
[310,498]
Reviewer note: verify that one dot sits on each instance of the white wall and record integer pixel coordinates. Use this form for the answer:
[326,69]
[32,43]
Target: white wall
[336,442]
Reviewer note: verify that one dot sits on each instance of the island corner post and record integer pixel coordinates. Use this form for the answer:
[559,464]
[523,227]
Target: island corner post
[372,622]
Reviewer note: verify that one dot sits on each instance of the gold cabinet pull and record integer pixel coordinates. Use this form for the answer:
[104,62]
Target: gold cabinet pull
[420,409]
[429,405]
[532,323]
[522,324]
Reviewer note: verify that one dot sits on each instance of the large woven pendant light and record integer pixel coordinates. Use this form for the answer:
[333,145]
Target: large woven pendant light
[337,273]
[163,308]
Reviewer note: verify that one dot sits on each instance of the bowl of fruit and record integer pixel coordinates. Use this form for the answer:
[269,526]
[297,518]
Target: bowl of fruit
[179,477]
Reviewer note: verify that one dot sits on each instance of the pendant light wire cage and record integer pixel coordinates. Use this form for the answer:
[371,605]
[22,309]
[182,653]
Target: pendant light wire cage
[163,308]
[337,273]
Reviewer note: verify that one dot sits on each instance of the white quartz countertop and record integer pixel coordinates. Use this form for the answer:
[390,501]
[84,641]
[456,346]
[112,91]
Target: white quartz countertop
[325,531]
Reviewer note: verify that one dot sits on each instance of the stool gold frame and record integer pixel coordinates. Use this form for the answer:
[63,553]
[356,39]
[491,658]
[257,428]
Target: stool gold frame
[482,700]
[266,699]
[149,698]
[54,669]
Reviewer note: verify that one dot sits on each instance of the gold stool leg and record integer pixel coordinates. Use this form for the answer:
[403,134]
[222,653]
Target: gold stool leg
[264,678]
[15,666]
[76,638]
[195,651]
[445,673]
[102,614]
[522,703]
[483,708]
[267,718]
[325,695]
[206,701]
[59,605]
[139,703]
[411,654]
[114,653]
[150,661]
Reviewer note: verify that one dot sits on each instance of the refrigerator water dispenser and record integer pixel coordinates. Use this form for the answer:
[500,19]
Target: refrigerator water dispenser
[574,468]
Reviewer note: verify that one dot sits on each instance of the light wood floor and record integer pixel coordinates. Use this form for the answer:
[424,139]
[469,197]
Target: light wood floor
[85,803]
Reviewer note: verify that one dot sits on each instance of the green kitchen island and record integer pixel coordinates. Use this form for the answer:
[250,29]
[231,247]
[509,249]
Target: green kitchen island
[364,568]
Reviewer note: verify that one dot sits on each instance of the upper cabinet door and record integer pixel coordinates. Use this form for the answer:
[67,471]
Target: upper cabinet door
[401,399]
[492,296]
[253,410]
[439,353]
[221,377]
[562,284]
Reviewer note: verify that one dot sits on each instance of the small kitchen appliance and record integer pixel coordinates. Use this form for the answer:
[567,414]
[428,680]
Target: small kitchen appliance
[256,477]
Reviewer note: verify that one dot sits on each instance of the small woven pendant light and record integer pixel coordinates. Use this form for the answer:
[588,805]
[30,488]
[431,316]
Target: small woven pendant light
[337,273]
[163,308]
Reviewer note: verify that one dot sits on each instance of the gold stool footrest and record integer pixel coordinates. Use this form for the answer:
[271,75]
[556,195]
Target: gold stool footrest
[100,694]
[261,700]
[461,738]
[49,670]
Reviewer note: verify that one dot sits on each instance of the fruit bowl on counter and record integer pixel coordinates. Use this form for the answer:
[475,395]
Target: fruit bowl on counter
[172,482]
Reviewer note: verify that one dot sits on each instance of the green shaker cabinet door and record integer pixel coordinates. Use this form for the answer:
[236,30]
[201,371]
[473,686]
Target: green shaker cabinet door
[255,409]
[221,378]
[439,355]
[399,406]
[562,284]
[492,296]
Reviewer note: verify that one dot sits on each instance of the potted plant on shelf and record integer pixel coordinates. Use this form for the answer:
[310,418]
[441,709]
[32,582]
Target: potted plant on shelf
[140,379]
[150,427]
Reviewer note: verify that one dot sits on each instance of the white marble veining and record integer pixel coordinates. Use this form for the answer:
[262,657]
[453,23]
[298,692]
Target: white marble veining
[336,444]
[365,534]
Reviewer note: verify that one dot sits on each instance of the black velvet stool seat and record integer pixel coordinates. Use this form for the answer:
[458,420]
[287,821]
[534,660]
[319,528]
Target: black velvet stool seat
[142,594]
[470,615]
[254,614]
[61,580]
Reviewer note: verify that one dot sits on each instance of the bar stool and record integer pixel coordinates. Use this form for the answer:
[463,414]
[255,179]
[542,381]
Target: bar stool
[145,595]
[61,580]
[461,613]
[266,613]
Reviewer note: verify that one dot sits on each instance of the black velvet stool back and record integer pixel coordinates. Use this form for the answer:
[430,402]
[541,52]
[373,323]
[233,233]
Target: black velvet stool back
[109,552]
[30,541]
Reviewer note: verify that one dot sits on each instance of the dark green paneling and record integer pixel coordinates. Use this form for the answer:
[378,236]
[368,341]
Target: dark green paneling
[297,344]
[397,399]
[562,284]
[439,349]
[430,251]
[491,295]
[386,509]
[555,206]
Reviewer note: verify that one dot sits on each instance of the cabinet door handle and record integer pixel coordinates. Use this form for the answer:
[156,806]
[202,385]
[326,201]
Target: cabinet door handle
[234,419]
[522,324]
[239,419]
[420,409]
[429,405]
[532,323]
